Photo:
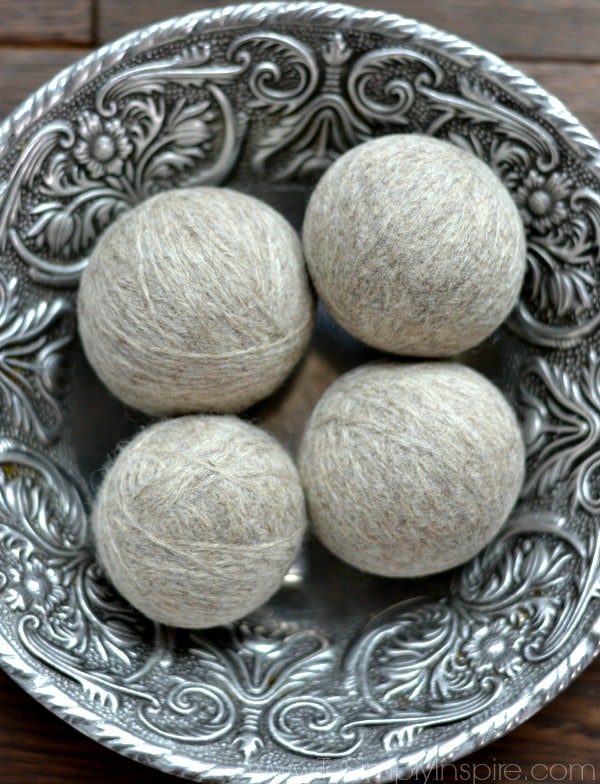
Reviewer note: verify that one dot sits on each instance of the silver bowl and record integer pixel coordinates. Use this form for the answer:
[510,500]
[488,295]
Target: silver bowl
[341,677]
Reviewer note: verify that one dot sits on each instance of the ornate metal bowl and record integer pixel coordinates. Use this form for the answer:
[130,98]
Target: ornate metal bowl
[341,677]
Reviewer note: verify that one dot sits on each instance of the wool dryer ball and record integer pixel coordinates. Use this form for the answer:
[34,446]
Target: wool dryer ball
[410,469]
[196,300]
[198,520]
[414,246]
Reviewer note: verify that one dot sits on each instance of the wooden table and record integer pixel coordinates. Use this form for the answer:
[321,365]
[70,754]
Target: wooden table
[555,41]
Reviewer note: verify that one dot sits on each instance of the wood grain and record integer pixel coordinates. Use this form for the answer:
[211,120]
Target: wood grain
[557,29]
[46,20]
[39,748]
[24,69]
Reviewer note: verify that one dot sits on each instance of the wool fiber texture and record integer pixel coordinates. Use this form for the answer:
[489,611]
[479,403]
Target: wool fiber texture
[410,469]
[197,300]
[414,246]
[198,520]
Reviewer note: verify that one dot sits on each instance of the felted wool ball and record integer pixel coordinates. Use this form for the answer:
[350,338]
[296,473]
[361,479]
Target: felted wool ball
[410,469]
[415,246]
[198,520]
[196,300]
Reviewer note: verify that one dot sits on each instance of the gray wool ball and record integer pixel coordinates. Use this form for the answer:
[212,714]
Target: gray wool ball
[197,300]
[198,520]
[415,246]
[410,469]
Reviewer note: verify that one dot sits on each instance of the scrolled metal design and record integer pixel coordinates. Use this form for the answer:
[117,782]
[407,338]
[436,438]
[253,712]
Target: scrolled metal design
[561,423]
[33,356]
[133,143]
[53,584]
[330,116]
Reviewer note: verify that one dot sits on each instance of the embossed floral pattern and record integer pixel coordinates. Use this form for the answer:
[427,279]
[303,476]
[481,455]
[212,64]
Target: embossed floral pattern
[544,199]
[495,648]
[84,172]
[103,145]
[34,586]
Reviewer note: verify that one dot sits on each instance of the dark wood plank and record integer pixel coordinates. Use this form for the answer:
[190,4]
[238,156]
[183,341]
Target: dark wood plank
[24,69]
[521,28]
[115,18]
[565,29]
[46,20]
[39,748]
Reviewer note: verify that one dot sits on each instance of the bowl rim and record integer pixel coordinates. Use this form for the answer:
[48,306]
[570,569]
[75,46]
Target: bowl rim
[68,80]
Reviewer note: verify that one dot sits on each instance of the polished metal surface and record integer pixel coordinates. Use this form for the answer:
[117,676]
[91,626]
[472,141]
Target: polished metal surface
[341,677]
